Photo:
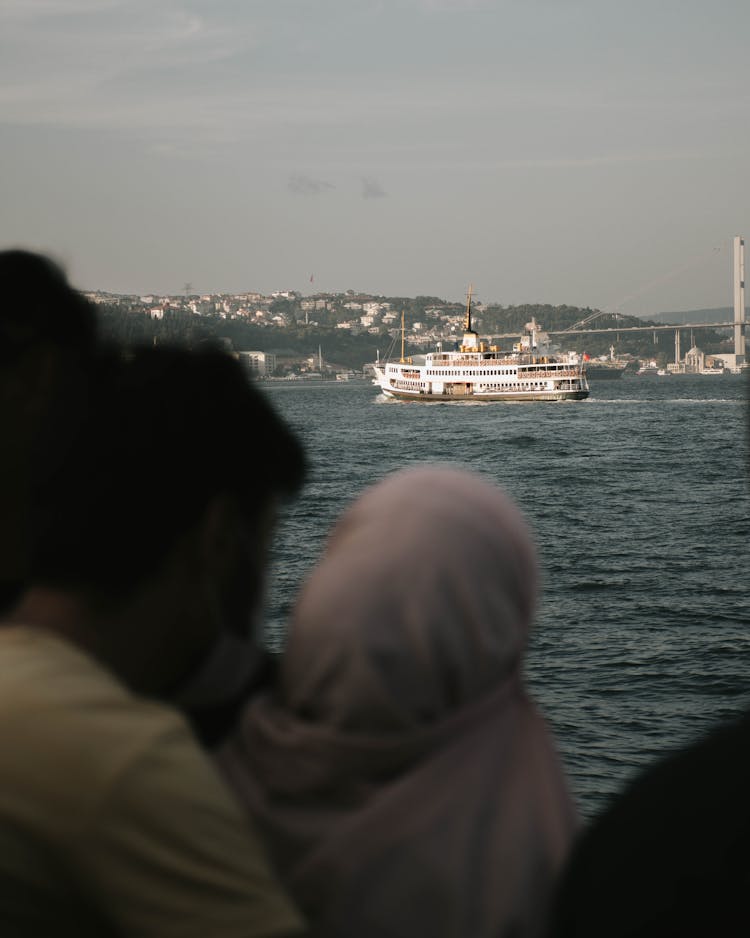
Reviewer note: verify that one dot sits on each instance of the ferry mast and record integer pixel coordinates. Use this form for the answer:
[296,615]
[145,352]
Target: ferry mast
[471,339]
[467,317]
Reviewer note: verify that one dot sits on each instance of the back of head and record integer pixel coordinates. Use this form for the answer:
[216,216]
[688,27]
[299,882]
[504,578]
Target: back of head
[38,307]
[47,333]
[421,604]
[153,439]
[404,781]
[669,858]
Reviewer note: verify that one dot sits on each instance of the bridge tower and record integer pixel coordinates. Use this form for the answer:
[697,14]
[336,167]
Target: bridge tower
[739,299]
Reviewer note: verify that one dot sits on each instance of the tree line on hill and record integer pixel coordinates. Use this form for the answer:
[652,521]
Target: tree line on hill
[297,341]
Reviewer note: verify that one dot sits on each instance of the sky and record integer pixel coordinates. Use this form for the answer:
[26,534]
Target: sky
[589,152]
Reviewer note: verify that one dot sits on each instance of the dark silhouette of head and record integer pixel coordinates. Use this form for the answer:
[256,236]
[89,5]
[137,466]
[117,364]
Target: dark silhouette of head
[39,308]
[669,858]
[158,488]
[47,334]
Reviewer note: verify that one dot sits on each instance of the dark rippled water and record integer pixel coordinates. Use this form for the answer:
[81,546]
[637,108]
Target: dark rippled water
[639,500]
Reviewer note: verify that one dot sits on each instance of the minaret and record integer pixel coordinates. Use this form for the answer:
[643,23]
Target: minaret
[739,299]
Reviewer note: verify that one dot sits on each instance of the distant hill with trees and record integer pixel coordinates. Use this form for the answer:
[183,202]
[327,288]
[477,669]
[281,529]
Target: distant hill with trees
[296,340]
[722,314]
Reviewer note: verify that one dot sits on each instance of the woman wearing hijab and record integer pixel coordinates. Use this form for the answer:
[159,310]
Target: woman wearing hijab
[405,782]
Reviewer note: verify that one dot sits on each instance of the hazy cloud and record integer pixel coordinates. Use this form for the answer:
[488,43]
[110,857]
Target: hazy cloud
[448,5]
[34,9]
[610,136]
[307,185]
[371,189]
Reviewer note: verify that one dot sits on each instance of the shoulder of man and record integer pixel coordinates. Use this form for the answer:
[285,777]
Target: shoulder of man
[119,789]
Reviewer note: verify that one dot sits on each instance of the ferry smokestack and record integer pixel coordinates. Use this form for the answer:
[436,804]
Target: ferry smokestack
[739,299]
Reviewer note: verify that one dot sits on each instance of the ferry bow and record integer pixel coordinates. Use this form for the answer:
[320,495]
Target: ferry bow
[531,371]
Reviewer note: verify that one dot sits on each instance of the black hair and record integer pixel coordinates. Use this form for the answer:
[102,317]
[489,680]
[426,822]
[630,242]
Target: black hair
[38,306]
[47,334]
[156,435]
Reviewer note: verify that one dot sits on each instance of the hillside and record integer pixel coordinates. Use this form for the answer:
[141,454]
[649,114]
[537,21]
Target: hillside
[722,314]
[287,328]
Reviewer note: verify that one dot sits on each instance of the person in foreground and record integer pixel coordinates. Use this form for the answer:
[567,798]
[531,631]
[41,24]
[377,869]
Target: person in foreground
[404,781]
[669,858]
[47,336]
[151,510]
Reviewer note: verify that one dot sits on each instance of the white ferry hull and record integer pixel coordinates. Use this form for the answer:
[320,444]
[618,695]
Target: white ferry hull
[544,383]
[574,395]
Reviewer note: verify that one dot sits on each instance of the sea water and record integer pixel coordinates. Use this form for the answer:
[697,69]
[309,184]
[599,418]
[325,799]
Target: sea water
[639,499]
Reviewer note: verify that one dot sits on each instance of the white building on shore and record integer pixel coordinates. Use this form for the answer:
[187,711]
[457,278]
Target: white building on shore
[259,363]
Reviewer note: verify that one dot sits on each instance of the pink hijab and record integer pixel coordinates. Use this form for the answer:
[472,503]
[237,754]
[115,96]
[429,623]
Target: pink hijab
[405,783]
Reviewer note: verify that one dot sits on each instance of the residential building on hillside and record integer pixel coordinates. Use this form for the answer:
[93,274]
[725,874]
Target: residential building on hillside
[259,363]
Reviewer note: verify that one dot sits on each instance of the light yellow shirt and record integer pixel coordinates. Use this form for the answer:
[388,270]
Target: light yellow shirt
[112,820]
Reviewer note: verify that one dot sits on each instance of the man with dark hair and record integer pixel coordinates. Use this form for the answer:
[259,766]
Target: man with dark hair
[47,334]
[38,307]
[153,502]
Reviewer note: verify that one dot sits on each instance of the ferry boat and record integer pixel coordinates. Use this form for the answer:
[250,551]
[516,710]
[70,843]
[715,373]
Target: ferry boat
[478,372]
